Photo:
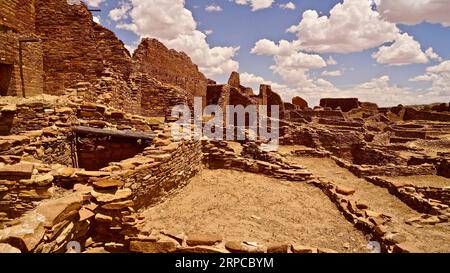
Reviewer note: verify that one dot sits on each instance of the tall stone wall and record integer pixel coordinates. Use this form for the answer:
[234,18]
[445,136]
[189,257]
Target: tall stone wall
[113,51]
[70,53]
[18,15]
[9,59]
[81,55]
[17,21]
[170,67]
[270,98]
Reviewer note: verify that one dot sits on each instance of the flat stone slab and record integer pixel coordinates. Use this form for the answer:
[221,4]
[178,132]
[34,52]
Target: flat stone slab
[108,183]
[203,239]
[6,248]
[17,171]
[111,196]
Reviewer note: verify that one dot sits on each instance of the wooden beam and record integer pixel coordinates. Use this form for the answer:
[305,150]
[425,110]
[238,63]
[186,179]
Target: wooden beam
[82,130]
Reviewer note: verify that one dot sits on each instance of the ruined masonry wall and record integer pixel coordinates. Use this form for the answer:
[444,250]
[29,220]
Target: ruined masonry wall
[18,14]
[169,66]
[32,65]
[169,168]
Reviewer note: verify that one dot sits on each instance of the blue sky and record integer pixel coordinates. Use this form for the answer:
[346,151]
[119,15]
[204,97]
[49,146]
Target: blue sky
[233,30]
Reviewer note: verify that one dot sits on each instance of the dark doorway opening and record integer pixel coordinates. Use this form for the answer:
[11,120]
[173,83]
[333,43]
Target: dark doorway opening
[5,78]
[93,149]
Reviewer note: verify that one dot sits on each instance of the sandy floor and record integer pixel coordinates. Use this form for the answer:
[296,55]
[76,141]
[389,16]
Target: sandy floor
[427,239]
[243,206]
[422,180]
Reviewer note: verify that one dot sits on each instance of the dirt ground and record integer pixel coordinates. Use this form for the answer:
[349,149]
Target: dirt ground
[421,180]
[427,238]
[251,207]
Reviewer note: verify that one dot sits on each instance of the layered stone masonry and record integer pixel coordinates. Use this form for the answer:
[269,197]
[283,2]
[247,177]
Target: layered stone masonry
[429,200]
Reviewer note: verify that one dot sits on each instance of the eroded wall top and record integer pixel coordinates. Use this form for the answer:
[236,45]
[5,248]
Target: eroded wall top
[169,66]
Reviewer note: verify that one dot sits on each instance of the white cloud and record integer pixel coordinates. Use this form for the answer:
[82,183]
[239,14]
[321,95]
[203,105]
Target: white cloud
[417,11]
[254,81]
[267,47]
[174,25]
[433,55]
[121,12]
[331,61]
[405,50]
[335,73]
[378,90]
[443,67]
[96,19]
[213,8]
[256,4]
[439,76]
[92,3]
[300,60]
[209,31]
[352,26]
[288,5]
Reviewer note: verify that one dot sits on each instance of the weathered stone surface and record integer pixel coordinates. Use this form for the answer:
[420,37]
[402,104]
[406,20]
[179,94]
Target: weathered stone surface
[345,104]
[345,190]
[303,249]
[241,247]
[299,102]
[111,196]
[283,248]
[203,239]
[153,247]
[170,67]
[17,171]
[405,248]
[27,234]
[85,214]
[103,218]
[6,248]
[60,209]
[201,249]
[234,80]
[108,183]
[118,205]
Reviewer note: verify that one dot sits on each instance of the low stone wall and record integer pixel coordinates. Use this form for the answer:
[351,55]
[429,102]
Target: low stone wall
[170,242]
[370,222]
[390,170]
[430,200]
[160,171]
[29,116]
[218,155]
[413,114]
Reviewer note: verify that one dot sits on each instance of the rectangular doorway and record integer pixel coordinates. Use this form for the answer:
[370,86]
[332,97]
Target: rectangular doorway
[5,78]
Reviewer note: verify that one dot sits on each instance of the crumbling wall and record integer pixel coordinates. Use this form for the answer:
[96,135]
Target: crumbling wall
[270,98]
[413,114]
[78,50]
[18,15]
[70,51]
[300,102]
[158,100]
[346,104]
[169,66]
[165,169]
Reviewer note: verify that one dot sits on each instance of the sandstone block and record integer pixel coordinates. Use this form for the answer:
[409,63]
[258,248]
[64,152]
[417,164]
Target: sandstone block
[345,190]
[153,247]
[203,239]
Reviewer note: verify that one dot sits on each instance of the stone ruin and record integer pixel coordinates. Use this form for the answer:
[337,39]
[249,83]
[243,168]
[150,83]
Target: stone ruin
[86,148]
